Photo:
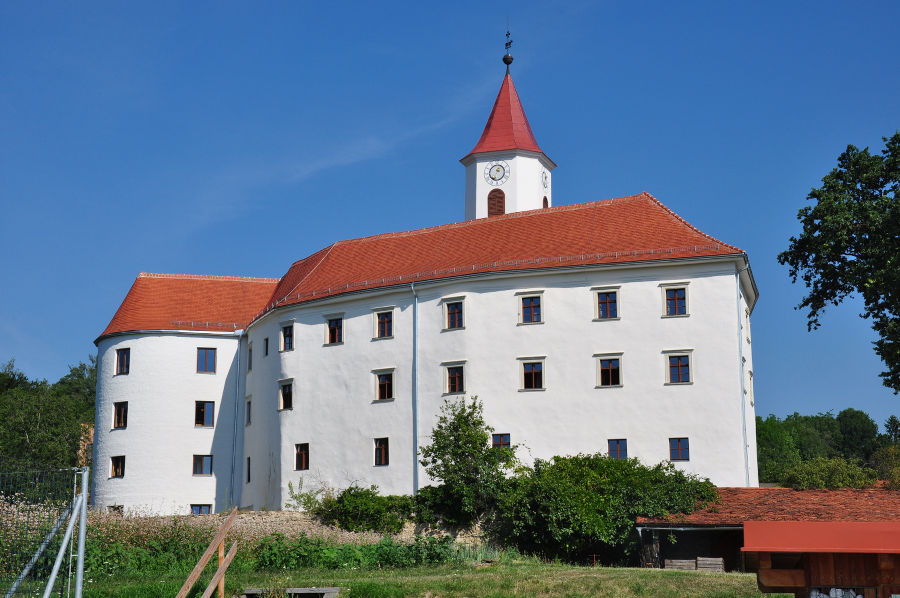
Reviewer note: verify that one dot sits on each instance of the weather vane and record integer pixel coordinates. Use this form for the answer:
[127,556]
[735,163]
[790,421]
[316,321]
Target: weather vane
[507,59]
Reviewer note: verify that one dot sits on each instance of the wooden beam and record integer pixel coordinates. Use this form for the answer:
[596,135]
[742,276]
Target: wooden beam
[782,578]
[201,564]
[219,575]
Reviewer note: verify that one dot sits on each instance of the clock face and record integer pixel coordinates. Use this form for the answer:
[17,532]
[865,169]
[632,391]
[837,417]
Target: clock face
[496,173]
[545,179]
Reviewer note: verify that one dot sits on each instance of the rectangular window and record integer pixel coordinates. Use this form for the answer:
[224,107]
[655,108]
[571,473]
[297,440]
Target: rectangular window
[499,441]
[249,358]
[675,299]
[606,305]
[531,309]
[204,413]
[335,331]
[454,315]
[455,381]
[533,375]
[265,346]
[286,396]
[301,456]
[248,411]
[678,449]
[382,456]
[201,509]
[385,385]
[385,324]
[679,369]
[117,466]
[202,464]
[287,338]
[206,361]
[248,470]
[609,372]
[120,415]
[123,361]
[618,449]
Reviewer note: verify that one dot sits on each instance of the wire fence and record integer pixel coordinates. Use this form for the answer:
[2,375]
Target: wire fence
[36,504]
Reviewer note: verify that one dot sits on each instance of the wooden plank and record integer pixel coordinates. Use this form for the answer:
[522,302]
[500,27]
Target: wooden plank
[782,578]
[220,572]
[222,579]
[201,564]
[680,564]
[705,563]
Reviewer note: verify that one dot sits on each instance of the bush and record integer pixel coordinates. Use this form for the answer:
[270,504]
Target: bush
[569,507]
[828,473]
[278,552]
[363,509]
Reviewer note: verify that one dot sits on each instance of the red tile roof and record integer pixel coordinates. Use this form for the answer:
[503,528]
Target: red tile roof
[188,302]
[628,229]
[738,505]
[507,127]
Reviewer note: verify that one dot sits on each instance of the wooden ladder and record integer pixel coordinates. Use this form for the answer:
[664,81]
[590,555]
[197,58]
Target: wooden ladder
[219,578]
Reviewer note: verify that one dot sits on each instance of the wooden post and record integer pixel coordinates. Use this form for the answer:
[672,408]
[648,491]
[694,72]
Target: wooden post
[222,579]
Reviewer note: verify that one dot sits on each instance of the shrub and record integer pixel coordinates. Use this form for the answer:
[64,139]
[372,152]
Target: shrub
[278,552]
[363,509]
[587,504]
[828,473]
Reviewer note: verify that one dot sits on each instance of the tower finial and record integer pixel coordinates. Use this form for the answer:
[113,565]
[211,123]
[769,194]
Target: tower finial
[507,59]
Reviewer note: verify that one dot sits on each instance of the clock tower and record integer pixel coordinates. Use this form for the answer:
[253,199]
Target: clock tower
[506,171]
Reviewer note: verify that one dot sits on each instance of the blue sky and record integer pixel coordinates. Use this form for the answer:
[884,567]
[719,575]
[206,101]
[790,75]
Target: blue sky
[234,138]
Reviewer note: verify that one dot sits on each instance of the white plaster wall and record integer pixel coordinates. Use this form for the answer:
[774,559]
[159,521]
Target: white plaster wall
[524,190]
[335,412]
[161,439]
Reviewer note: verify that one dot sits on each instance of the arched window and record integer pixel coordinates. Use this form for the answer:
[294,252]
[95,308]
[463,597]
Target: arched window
[496,203]
[546,203]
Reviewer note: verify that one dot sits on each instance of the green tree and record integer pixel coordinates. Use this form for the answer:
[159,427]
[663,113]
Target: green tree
[815,435]
[38,426]
[892,429]
[828,473]
[776,449]
[859,434]
[850,243]
[461,458]
[79,387]
[886,462]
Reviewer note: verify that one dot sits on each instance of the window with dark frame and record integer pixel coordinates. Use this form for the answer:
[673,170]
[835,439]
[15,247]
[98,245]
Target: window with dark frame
[531,310]
[676,302]
[248,470]
[385,385]
[533,372]
[606,305]
[249,358]
[496,202]
[120,415]
[204,413]
[385,324]
[609,372]
[206,360]
[201,509]
[287,338]
[499,441]
[618,448]
[265,346]
[123,361]
[679,369]
[382,456]
[455,381]
[117,466]
[249,418]
[455,315]
[301,456]
[679,449]
[287,396]
[335,331]
[203,464]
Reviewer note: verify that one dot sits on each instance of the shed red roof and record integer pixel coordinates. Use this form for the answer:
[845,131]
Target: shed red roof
[738,505]
[188,302]
[864,537]
[507,127]
[628,229]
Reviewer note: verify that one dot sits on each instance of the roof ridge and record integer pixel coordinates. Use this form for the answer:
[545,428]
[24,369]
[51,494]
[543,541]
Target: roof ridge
[206,277]
[672,213]
[326,251]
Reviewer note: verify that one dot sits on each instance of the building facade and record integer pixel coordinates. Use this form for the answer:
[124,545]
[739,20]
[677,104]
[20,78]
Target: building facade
[612,326]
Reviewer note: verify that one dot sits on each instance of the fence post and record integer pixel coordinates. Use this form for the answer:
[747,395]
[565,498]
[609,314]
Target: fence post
[222,579]
[82,532]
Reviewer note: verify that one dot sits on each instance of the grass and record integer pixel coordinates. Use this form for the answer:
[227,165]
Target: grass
[521,577]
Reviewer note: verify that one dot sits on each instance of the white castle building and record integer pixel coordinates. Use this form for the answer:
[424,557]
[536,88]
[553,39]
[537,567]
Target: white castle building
[609,326]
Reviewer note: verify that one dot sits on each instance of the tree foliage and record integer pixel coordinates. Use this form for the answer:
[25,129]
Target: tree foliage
[851,244]
[461,458]
[828,473]
[569,507]
[776,449]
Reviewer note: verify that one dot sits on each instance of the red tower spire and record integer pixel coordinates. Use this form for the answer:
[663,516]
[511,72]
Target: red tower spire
[507,127]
